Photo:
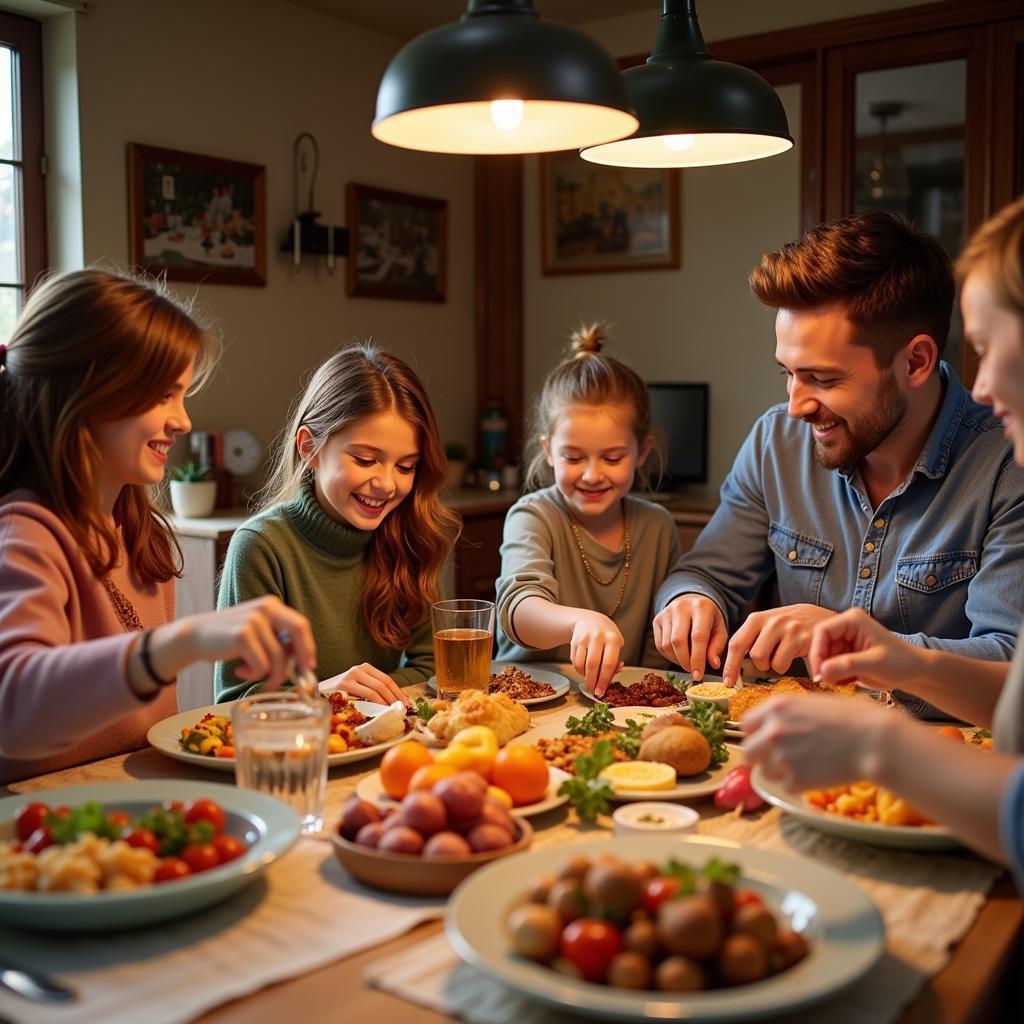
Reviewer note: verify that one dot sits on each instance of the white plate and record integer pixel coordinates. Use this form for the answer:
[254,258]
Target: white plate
[267,826]
[540,675]
[841,924]
[166,734]
[371,790]
[909,837]
[692,788]
[629,676]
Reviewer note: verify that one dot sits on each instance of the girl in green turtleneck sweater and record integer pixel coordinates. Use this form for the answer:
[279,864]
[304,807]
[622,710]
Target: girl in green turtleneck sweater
[352,533]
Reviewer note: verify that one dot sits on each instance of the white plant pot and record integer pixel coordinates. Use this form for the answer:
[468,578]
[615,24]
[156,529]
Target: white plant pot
[193,499]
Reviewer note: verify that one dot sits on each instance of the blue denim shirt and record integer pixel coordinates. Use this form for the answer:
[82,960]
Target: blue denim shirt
[939,561]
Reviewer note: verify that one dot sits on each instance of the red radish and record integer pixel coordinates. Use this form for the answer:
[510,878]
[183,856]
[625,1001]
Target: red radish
[736,791]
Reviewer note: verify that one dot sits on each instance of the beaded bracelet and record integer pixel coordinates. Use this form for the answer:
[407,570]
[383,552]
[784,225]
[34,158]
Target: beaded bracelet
[147,664]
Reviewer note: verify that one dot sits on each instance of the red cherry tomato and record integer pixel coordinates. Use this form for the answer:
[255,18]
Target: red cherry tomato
[659,890]
[119,819]
[590,945]
[173,805]
[200,856]
[29,818]
[63,811]
[39,840]
[171,868]
[743,897]
[142,838]
[228,848]
[205,810]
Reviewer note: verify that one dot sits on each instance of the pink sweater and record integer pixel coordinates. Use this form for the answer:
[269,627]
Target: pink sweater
[64,693]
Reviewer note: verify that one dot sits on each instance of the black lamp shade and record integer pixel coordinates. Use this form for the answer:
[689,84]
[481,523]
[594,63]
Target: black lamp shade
[438,91]
[695,111]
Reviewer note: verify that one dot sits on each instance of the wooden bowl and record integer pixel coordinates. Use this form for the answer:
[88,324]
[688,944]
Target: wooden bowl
[414,875]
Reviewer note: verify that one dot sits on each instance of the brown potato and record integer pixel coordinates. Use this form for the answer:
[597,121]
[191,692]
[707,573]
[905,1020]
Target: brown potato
[663,721]
[756,921]
[535,931]
[679,974]
[691,927]
[641,937]
[629,970]
[566,898]
[741,960]
[612,890]
[790,948]
[686,750]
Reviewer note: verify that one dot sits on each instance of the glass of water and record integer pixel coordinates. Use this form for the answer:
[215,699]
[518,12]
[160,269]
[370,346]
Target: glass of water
[281,749]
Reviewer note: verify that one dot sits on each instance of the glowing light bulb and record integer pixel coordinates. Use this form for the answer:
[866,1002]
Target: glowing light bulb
[507,115]
[677,143]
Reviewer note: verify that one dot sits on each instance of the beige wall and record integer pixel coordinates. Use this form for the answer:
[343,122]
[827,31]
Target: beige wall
[700,322]
[240,79]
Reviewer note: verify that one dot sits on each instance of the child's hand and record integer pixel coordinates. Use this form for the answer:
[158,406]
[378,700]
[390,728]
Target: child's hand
[367,683]
[594,650]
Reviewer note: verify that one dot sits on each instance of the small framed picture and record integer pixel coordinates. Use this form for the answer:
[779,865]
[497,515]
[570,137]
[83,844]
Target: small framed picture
[596,218]
[397,245]
[197,218]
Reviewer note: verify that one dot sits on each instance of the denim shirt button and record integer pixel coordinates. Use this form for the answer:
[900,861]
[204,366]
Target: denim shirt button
[865,573]
[792,556]
[879,523]
[869,547]
[930,581]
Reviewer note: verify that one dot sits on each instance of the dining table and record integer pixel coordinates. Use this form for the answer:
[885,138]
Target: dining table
[980,981]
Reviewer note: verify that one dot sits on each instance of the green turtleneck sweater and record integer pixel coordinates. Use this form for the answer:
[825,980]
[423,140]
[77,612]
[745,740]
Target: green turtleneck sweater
[315,564]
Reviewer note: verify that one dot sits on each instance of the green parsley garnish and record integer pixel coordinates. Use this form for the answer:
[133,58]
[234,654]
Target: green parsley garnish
[589,794]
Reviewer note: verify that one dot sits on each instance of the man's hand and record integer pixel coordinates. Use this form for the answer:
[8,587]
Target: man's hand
[691,632]
[774,639]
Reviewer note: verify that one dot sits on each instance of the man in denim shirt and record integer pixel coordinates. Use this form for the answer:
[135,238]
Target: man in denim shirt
[881,485]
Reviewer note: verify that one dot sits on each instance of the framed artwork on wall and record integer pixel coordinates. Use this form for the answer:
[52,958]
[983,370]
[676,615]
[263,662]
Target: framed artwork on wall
[596,218]
[397,245]
[197,218]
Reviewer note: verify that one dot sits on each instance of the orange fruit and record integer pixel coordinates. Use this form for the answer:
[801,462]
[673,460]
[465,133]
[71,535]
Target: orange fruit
[399,765]
[951,732]
[522,772]
[425,777]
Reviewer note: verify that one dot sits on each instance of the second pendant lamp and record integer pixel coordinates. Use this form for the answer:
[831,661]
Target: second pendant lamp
[694,111]
[501,80]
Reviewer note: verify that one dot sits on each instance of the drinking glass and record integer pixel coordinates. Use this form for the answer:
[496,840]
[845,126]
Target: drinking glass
[281,749]
[463,636]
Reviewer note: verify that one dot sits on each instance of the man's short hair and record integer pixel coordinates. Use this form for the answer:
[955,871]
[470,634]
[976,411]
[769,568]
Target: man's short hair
[892,280]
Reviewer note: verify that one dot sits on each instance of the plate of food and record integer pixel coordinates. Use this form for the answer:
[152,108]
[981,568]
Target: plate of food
[523,683]
[127,854]
[203,736]
[371,789]
[642,687]
[442,720]
[675,756]
[805,933]
[860,811]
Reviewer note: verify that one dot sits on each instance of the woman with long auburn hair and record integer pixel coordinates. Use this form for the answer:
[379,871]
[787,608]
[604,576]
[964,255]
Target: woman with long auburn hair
[92,395]
[351,530]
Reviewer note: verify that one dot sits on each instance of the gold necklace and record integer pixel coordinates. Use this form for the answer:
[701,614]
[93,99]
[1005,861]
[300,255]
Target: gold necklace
[624,569]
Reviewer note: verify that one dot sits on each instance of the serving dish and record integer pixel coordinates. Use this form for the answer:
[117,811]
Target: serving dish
[165,735]
[268,828]
[416,875]
[629,676]
[371,789]
[540,675]
[841,923]
[906,837]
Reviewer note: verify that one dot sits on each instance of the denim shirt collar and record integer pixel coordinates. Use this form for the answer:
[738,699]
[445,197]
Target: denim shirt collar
[934,455]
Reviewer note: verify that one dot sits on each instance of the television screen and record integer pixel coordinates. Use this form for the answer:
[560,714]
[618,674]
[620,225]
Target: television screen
[679,416]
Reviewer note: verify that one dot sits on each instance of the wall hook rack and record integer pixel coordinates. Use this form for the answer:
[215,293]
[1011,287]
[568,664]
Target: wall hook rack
[306,235]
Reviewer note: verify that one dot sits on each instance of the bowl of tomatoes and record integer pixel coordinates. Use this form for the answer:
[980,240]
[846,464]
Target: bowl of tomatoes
[110,856]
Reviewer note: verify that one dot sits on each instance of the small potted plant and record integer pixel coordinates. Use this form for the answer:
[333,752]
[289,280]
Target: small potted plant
[457,457]
[193,490]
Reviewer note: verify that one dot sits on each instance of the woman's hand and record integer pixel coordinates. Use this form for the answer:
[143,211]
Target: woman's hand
[263,634]
[594,649]
[855,646]
[806,743]
[367,683]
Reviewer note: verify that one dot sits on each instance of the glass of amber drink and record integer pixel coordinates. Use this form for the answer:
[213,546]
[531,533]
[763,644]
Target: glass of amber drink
[463,635]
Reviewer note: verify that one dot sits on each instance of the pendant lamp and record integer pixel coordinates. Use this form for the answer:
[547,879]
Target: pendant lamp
[694,111]
[501,80]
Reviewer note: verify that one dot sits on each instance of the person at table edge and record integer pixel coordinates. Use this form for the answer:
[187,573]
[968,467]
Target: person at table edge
[881,484]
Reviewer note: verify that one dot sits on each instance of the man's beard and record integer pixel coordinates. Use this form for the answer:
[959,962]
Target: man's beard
[865,435]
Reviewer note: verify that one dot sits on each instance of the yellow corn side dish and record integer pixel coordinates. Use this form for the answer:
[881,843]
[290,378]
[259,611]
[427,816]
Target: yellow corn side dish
[864,801]
[210,736]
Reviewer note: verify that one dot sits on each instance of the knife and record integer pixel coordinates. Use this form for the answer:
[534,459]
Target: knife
[32,984]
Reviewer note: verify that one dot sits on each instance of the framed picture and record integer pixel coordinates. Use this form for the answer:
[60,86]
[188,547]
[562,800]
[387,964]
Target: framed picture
[197,218]
[397,245]
[596,218]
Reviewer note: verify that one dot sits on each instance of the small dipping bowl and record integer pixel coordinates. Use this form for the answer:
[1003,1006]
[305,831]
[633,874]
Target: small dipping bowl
[713,692]
[651,817]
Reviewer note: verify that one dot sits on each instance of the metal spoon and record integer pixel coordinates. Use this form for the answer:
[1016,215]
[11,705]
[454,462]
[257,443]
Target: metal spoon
[32,984]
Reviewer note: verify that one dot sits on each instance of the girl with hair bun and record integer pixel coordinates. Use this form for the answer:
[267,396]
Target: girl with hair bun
[582,558]
[92,394]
